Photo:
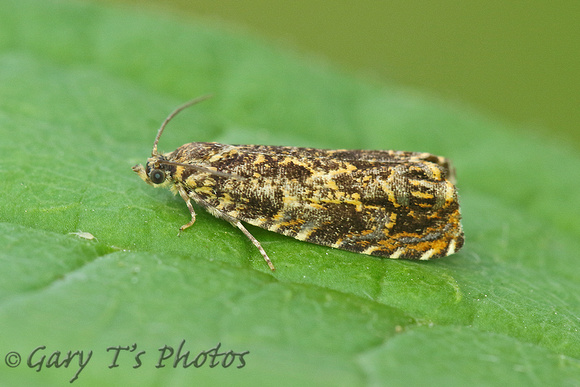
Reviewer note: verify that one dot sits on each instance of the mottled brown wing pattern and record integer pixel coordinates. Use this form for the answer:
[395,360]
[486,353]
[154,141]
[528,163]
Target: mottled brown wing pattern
[383,203]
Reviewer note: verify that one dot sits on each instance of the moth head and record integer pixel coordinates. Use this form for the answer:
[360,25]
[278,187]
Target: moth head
[159,171]
[156,172]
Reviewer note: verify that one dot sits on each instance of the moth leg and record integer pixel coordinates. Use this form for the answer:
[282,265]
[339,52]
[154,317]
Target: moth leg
[239,225]
[187,199]
[224,216]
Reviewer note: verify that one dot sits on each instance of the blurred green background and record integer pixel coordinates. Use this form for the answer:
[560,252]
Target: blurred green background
[516,61]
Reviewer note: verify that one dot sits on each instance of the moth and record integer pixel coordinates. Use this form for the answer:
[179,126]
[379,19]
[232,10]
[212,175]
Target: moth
[383,203]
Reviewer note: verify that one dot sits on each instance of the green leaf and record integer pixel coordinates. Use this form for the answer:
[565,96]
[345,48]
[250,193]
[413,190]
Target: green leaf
[84,89]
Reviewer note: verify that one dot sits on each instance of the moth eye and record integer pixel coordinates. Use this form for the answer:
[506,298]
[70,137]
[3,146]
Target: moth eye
[157,176]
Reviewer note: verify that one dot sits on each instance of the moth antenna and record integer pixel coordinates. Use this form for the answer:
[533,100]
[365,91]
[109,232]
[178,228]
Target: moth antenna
[204,169]
[173,114]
